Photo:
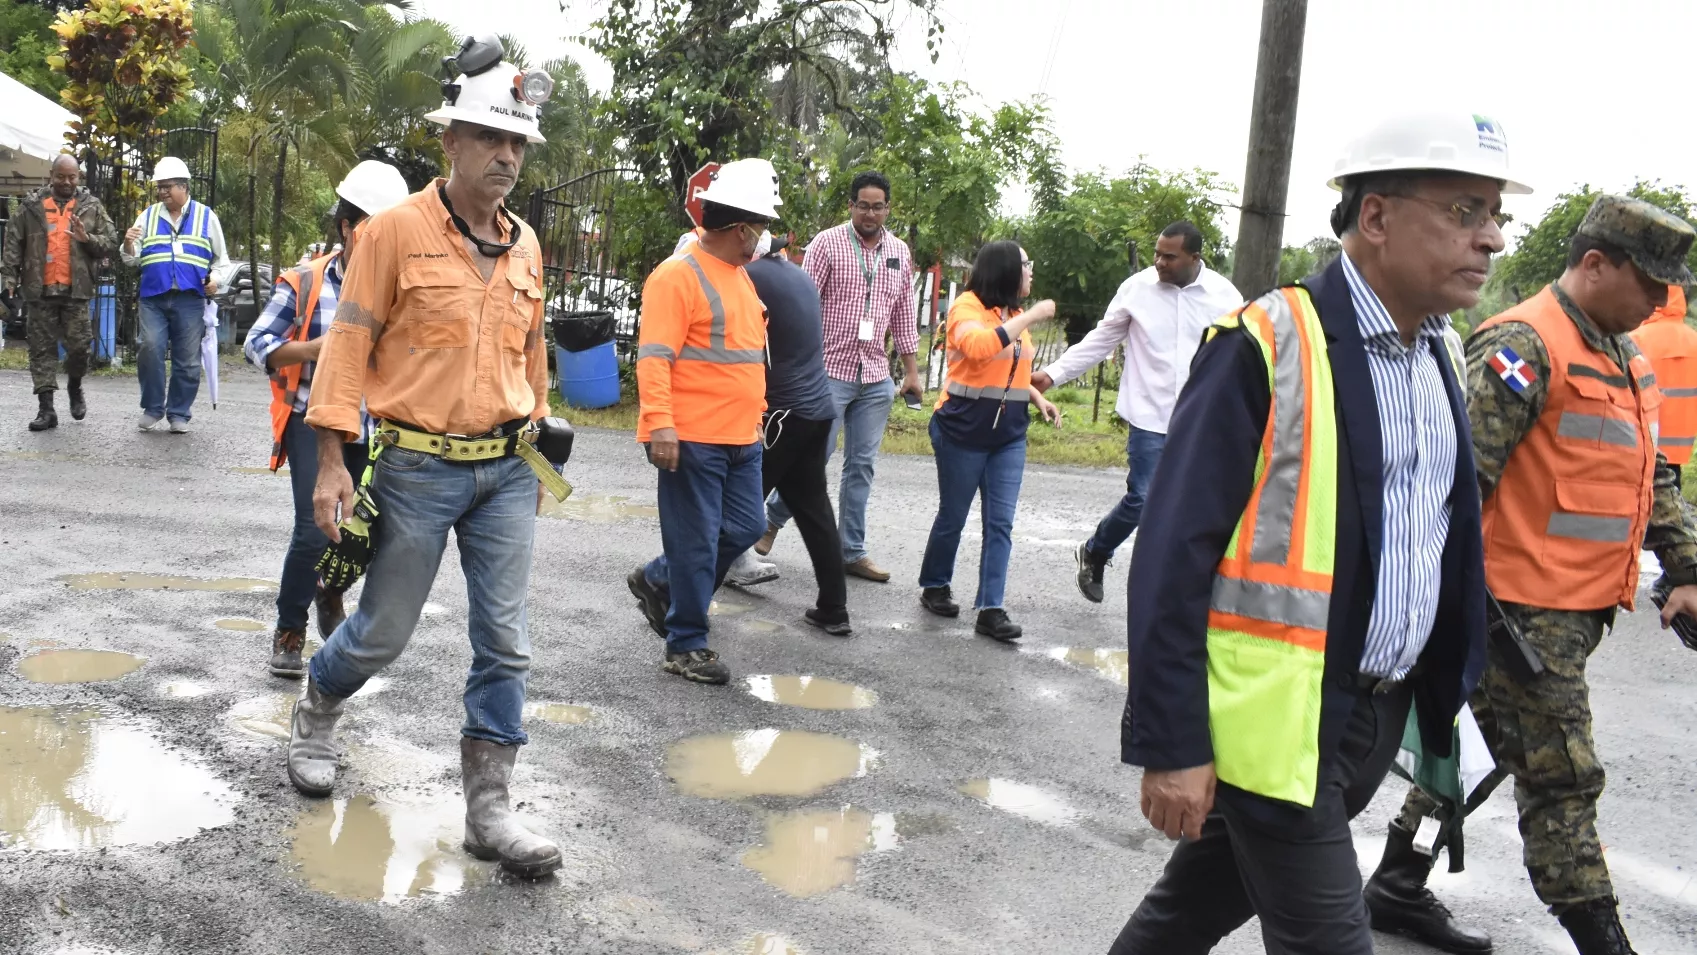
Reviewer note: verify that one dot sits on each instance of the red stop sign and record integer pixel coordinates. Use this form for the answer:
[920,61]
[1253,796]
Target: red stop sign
[697,184]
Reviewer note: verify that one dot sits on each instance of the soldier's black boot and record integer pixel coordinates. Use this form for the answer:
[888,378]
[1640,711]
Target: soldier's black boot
[46,417]
[79,407]
[1595,928]
[1399,902]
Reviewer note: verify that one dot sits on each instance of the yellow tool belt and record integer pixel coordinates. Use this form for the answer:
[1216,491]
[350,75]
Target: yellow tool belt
[459,449]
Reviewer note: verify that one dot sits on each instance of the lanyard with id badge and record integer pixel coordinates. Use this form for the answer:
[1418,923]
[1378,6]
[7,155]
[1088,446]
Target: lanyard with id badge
[869,272]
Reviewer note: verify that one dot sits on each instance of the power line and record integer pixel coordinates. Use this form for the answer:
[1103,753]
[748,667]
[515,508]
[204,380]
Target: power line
[1054,48]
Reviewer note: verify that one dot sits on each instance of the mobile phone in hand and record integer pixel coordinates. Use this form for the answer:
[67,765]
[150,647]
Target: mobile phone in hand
[913,402]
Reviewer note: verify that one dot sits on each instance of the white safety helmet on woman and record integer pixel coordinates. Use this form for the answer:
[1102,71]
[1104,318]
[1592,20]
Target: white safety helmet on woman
[750,185]
[483,88]
[373,186]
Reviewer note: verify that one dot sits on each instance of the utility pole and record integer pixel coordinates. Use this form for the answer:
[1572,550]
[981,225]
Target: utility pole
[1272,130]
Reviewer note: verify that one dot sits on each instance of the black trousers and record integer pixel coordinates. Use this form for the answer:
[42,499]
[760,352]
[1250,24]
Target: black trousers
[1299,874]
[794,466]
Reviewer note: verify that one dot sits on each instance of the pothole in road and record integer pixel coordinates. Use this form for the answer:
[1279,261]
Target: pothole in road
[564,714]
[78,666]
[599,508]
[810,853]
[1111,664]
[1027,802]
[127,581]
[183,689]
[765,762]
[77,780]
[384,849]
[265,716]
[810,692]
[239,624]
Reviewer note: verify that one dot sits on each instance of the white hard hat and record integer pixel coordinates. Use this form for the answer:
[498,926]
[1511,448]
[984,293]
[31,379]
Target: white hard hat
[171,168]
[1465,143]
[493,92]
[747,184]
[373,186]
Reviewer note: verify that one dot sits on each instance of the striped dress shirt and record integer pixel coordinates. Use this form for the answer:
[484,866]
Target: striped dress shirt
[1419,435]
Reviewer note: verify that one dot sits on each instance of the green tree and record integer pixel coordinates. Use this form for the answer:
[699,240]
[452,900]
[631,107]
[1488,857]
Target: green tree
[122,68]
[1540,255]
[26,41]
[1297,262]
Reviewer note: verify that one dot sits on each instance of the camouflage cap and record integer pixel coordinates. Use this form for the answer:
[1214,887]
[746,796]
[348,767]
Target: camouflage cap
[1656,241]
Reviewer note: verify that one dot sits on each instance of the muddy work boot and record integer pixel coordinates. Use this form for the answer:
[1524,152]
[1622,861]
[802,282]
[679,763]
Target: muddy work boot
[312,744]
[491,830]
[748,570]
[1398,901]
[698,666]
[286,653]
[763,546]
[79,407]
[328,604]
[46,417]
[1595,928]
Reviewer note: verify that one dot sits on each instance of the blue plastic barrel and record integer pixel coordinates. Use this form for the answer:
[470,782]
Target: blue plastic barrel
[102,315]
[589,378]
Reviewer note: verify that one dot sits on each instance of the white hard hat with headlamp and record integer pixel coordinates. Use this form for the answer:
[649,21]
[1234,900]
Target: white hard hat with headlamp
[1467,144]
[373,186]
[747,184]
[170,168]
[485,89]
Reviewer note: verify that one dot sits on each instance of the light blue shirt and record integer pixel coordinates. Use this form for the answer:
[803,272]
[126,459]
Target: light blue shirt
[1418,431]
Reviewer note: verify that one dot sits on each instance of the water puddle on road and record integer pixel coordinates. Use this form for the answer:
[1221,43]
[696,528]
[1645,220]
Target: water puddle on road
[726,608]
[765,762]
[1027,802]
[810,692]
[384,849]
[239,624]
[78,666]
[760,625]
[1108,663]
[264,716]
[565,714]
[810,853]
[127,581]
[74,779]
[599,508]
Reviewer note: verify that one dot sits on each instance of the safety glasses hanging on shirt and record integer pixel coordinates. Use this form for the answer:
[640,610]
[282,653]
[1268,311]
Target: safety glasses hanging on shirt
[493,250]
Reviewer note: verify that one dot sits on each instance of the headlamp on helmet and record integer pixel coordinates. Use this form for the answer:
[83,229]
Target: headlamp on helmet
[533,86]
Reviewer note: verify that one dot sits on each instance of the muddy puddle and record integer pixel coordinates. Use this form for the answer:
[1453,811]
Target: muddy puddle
[126,581]
[240,625]
[599,508]
[74,779]
[565,714]
[1020,799]
[810,853]
[810,692]
[264,716]
[384,849]
[1108,663]
[765,762]
[761,625]
[726,608]
[78,666]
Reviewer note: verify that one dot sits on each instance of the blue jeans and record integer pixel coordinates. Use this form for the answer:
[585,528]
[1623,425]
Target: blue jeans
[709,514]
[174,319]
[1142,453]
[491,508]
[862,412]
[307,543]
[994,475]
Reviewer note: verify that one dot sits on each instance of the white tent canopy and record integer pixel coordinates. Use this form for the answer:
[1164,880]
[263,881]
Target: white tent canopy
[32,132]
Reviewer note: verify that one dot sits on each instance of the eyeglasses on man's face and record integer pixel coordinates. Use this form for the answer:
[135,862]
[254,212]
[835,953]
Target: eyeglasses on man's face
[872,208]
[1471,215]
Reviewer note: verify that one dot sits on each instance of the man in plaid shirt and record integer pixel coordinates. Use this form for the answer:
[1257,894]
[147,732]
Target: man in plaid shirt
[865,279]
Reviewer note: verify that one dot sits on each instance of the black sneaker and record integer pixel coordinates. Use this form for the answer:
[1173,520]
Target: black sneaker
[830,623]
[993,622]
[701,666]
[938,601]
[654,600]
[1090,566]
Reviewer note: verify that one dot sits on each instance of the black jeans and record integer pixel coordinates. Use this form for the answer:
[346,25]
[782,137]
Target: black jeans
[307,543]
[1299,876]
[794,466]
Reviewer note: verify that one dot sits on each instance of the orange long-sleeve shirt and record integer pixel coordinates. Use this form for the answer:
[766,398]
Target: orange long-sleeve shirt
[699,369]
[423,339]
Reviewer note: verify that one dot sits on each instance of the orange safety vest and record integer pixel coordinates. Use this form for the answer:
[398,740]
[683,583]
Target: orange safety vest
[1002,377]
[1671,346]
[57,269]
[286,381]
[1563,527]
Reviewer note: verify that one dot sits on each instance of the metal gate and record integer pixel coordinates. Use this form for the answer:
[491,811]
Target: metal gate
[582,274]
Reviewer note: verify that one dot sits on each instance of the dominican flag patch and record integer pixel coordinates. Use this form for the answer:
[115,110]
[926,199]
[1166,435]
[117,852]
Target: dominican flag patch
[1514,371]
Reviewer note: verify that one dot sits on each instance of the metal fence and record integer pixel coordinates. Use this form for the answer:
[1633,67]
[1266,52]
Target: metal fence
[582,273]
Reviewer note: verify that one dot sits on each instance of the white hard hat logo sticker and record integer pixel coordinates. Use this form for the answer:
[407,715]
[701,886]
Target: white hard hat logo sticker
[1490,134]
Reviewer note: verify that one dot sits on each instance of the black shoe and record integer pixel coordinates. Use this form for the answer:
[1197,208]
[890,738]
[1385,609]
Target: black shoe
[939,601]
[837,625]
[653,599]
[993,622]
[79,407]
[286,654]
[46,417]
[1399,902]
[700,666]
[1595,928]
[1090,567]
[328,603]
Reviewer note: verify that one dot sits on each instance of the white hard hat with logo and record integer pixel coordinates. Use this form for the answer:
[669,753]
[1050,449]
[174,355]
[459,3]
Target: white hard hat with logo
[373,186]
[747,184]
[171,167]
[491,92]
[1464,143]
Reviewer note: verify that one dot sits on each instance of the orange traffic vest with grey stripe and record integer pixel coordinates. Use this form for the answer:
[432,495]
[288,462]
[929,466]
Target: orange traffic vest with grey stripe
[1272,592]
[286,381]
[1671,347]
[1564,525]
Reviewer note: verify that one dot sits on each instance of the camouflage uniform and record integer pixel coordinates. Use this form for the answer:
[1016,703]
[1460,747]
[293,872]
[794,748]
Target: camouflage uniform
[56,312]
[1540,732]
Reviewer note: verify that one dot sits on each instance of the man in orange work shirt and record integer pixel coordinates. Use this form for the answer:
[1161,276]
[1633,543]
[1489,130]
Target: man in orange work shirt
[439,330]
[701,378]
[1671,346]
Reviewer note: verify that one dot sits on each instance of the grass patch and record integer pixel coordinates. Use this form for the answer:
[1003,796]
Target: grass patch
[17,359]
[1688,482]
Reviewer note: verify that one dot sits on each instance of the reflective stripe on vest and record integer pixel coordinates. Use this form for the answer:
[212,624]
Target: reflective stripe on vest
[1671,347]
[1271,599]
[968,391]
[716,353]
[286,381]
[162,269]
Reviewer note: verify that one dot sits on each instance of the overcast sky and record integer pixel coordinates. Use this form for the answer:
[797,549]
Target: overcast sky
[1586,91]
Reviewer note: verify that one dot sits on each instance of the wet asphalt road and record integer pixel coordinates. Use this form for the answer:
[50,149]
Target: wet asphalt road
[651,869]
